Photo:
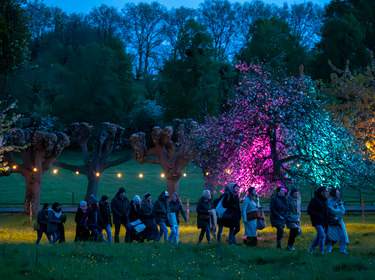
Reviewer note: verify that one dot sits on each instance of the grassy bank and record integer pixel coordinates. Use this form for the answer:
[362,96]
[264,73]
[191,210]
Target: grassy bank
[20,259]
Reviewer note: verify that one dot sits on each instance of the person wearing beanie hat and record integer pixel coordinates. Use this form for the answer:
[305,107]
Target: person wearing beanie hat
[250,214]
[82,233]
[120,206]
[92,219]
[105,212]
[41,219]
[160,210]
[318,211]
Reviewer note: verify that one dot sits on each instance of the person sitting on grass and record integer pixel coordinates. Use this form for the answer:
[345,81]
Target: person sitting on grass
[42,221]
[204,210]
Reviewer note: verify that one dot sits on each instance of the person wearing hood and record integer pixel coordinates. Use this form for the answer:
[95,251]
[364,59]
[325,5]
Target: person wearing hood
[151,231]
[176,207]
[135,212]
[204,210]
[293,218]
[92,218]
[232,216]
[121,209]
[278,212]
[53,221]
[41,219]
[318,211]
[160,210]
[337,231]
[105,212]
[250,214]
[82,233]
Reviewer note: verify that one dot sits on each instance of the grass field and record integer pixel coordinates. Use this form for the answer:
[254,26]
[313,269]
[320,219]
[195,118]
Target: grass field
[21,259]
[67,187]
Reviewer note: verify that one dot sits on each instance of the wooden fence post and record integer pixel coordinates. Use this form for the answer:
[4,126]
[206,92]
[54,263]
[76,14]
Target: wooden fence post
[72,197]
[363,211]
[187,208]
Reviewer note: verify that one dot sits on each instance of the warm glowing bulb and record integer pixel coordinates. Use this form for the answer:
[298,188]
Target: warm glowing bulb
[184,174]
[207,173]
[55,171]
[77,172]
[298,165]
[119,175]
[162,175]
[35,169]
[141,175]
[97,174]
[14,166]
[228,171]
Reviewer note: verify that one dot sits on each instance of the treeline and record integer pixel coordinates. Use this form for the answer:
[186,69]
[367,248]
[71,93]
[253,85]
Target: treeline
[145,65]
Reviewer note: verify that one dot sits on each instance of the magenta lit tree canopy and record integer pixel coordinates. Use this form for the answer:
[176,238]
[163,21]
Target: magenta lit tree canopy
[277,132]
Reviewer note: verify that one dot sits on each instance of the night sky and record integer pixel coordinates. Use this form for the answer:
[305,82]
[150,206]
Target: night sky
[85,6]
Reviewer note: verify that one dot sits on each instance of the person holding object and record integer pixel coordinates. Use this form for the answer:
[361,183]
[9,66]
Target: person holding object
[337,230]
[53,221]
[204,209]
[82,233]
[278,212]
[92,219]
[249,215]
[151,231]
[41,219]
[175,206]
[318,211]
[105,212]
[121,208]
[160,210]
[293,218]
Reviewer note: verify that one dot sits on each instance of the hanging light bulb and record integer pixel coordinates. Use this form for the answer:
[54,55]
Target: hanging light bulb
[140,175]
[55,171]
[119,175]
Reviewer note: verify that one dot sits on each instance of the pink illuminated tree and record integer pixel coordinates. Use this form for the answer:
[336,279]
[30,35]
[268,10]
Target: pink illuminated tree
[277,132]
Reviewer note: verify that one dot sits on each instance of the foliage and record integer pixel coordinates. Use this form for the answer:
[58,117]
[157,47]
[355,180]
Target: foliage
[145,115]
[276,132]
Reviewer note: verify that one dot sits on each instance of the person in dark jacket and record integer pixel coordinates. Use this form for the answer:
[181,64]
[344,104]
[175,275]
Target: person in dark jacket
[105,212]
[82,233]
[232,216]
[160,210]
[293,218]
[92,219]
[278,213]
[41,219]
[318,211]
[175,205]
[121,209]
[135,214]
[204,210]
[151,231]
[53,221]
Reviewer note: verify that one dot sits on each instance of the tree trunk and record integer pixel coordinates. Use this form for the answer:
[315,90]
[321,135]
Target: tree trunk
[32,197]
[172,185]
[92,187]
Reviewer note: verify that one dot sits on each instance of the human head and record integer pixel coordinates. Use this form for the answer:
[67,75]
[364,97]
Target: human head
[251,191]
[94,200]
[280,191]
[136,199]
[334,192]
[121,193]
[294,193]
[45,206]
[175,197]
[104,198]
[56,207]
[147,196]
[207,194]
[322,191]
[83,205]
[233,188]
[165,194]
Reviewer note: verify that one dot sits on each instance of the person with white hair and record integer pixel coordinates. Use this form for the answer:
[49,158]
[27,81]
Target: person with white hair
[204,210]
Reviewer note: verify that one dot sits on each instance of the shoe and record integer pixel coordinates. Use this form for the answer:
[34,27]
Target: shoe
[278,244]
[290,248]
[199,242]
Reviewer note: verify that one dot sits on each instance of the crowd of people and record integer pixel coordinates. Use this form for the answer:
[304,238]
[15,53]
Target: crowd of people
[145,220]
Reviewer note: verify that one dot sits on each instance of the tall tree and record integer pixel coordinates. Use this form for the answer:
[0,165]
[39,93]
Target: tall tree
[144,25]
[171,155]
[218,16]
[107,21]
[96,160]
[43,144]
[277,132]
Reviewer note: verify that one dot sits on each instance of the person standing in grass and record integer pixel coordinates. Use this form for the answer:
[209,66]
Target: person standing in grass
[53,221]
[175,206]
[41,219]
[293,218]
[121,209]
[105,212]
[278,212]
[318,211]
[232,216]
[82,234]
[204,210]
[151,231]
[92,219]
[250,214]
[160,210]
[337,230]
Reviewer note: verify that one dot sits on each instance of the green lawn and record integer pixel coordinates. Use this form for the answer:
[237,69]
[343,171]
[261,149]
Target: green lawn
[20,259]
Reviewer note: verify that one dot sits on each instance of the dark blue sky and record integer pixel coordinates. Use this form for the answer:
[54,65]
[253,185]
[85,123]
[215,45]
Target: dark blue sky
[84,6]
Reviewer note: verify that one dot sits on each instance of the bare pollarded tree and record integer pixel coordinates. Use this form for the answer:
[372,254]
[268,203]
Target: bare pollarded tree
[171,152]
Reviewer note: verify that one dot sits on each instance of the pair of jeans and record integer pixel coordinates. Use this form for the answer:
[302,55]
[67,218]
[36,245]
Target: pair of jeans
[206,230]
[174,234]
[342,243]
[40,234]
[164,231]
[292,236]
[55,236]
[94,233]
[108,230]
[319,239]
[280,232]
[117,232]
[232,233]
